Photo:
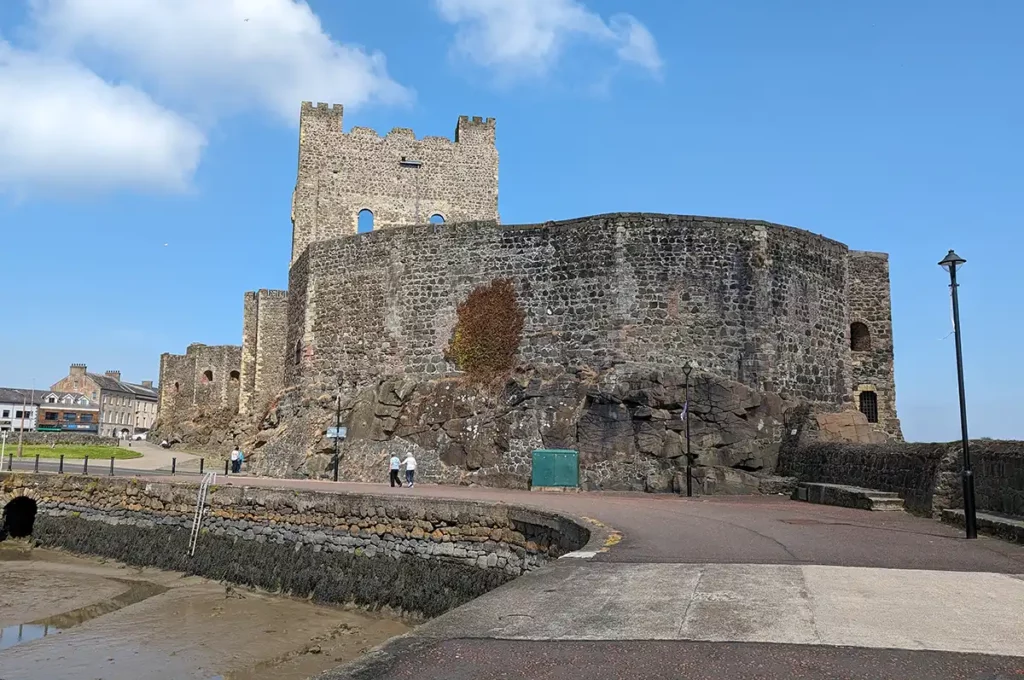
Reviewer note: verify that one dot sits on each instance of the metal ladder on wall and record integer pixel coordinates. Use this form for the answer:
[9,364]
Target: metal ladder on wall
[197,520]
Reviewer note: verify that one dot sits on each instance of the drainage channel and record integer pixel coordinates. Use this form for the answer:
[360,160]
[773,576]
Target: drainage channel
[35,630]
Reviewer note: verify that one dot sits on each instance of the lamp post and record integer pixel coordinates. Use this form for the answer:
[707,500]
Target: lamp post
[686,417]
[951,263]
[337,434]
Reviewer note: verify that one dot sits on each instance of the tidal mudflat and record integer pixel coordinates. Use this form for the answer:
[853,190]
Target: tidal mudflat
[63,616]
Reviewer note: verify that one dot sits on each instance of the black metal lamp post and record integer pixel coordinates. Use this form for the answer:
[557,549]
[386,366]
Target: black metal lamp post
[686,417]
[337,432]
[951,263]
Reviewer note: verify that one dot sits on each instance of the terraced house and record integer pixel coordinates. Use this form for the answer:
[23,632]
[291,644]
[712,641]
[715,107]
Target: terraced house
[126,409]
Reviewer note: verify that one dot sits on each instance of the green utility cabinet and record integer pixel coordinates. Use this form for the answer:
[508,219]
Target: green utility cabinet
[555,469]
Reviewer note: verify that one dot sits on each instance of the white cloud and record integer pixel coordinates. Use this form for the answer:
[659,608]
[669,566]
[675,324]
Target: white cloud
[63,127]
[529,36]
[221,55]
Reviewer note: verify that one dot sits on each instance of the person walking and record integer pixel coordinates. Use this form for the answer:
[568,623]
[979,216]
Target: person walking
[241,459]
[235,453]
[395,464]
[410,470]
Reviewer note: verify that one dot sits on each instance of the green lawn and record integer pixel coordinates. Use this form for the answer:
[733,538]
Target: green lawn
[70,451]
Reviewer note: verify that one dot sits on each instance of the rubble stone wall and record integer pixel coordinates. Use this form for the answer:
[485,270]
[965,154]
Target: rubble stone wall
[872,367]
[372,537]
[927,476]
[61,439]
[204,380]
[756,303]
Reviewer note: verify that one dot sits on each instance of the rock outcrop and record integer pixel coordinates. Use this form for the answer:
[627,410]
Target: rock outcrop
[204,430]
[627,426]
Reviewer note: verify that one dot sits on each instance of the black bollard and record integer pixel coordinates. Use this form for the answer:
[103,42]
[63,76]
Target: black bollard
[10,462]
[111,466]
[60,467]
[226,467]
[85,465]
[201,462]
[36,467]
[174,464]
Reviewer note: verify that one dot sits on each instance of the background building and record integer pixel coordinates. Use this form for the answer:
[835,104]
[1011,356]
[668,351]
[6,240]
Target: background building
[18,409]
[126,409]
[68,412]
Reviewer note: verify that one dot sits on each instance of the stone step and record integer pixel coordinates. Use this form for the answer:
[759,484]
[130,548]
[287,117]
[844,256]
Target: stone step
[1009,528]
[848,496]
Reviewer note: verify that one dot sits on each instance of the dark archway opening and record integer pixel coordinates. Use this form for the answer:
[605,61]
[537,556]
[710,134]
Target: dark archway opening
[208,376]
[234,375]
[860,337]
[19,518]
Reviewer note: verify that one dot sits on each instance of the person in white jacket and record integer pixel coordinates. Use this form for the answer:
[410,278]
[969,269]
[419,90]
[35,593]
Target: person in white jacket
[410,470]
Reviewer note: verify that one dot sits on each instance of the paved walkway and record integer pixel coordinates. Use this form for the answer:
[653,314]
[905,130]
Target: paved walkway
[154,457]
[723,587]
[726,587]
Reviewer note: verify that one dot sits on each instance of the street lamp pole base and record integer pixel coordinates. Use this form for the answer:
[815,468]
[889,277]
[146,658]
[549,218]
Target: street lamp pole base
[970,513]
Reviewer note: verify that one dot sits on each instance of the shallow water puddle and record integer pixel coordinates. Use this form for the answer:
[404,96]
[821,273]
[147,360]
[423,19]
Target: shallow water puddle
[23,632]
[36,630]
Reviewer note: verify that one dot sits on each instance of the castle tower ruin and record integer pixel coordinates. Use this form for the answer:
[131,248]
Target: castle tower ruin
[399,179]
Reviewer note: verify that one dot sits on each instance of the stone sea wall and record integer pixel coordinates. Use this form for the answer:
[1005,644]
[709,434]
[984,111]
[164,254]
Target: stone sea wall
[417,555]
[927,476]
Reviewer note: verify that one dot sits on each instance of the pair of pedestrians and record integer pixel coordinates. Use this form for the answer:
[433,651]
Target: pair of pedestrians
[237,458]
[410,470]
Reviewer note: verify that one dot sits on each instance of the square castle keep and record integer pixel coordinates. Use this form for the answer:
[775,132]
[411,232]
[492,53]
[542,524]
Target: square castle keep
[772,307]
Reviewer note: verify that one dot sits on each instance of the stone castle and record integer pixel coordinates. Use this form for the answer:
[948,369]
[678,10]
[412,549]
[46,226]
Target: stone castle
[609,310]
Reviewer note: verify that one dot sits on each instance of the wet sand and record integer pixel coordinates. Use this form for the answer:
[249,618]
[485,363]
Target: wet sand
[67,617]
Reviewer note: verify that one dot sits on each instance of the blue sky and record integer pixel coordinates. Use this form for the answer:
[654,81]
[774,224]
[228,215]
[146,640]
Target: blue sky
[890,126]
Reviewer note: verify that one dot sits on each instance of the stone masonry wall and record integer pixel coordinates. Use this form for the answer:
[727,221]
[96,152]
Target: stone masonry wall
[761,304]
[247,371]
[870,305]
[926,476]
[264,335]
[205,377]
[177,375]
[481,543]
[62,439]
[400,179]
[218,375]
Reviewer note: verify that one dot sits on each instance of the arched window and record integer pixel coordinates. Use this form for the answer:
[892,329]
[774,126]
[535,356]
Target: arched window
[177,387]
[436,219]
[365,221]
[869,405]
[234,375]
[860,337]
[208,376]
[298,353]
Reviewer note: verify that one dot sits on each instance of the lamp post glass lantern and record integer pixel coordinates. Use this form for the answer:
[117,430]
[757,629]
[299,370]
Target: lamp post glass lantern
[951,263]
